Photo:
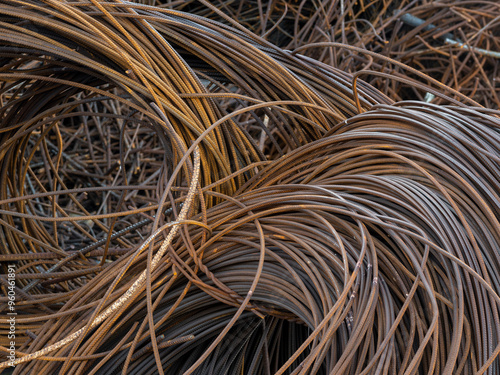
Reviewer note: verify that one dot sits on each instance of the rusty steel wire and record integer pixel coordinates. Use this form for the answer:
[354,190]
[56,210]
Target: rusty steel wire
[237,187]
[455,42]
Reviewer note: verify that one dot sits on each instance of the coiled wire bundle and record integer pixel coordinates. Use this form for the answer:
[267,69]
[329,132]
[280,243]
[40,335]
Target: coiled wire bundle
[455,42]
[182,196]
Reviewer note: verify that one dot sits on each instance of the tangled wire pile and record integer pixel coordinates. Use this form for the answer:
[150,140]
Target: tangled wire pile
[186,196]
[455,42]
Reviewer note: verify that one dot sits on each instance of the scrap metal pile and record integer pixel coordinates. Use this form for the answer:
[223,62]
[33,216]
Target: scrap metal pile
[249,187]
